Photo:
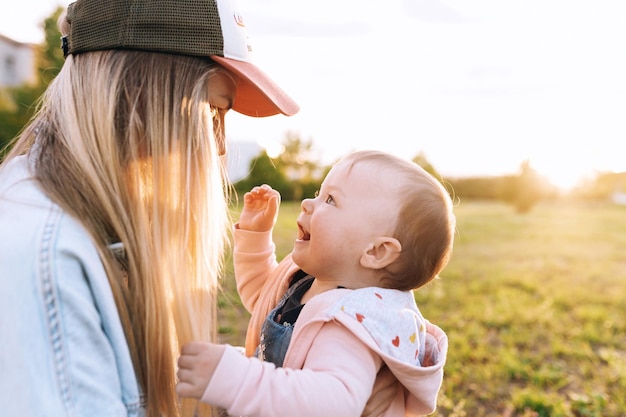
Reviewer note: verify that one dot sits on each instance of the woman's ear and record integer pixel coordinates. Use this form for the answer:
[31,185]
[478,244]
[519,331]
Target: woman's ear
[381,252]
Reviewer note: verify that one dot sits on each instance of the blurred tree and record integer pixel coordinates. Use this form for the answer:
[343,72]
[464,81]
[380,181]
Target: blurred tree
[298,162]
[525,188]
[51,58]
[421,160]
[18,104]
[263,170]
[605,186]
[295,172]
[480,188]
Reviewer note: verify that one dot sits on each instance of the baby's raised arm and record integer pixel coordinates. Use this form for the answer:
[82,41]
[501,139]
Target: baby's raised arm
[260,209]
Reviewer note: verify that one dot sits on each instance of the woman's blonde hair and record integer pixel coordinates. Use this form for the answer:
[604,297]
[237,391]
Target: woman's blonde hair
[425,223]
[124,141]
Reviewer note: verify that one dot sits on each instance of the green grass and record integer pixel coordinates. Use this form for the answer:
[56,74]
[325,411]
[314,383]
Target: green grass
[534,306]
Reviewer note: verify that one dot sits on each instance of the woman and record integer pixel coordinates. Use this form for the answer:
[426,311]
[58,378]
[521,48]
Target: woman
[113,207]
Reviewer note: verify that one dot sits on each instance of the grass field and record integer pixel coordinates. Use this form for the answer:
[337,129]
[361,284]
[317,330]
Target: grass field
[534,306]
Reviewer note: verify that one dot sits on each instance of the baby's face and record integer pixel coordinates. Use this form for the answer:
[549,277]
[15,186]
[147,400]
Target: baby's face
[354,205]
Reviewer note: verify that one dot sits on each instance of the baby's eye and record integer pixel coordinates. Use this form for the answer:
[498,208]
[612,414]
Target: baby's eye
[329,200]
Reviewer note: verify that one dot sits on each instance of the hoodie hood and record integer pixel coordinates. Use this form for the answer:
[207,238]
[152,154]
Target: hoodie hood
[389,322]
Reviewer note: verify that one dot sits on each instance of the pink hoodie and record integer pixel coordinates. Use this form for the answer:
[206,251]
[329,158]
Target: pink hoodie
[340,341]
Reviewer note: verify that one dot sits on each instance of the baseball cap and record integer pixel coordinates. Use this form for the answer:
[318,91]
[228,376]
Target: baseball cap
[204,28]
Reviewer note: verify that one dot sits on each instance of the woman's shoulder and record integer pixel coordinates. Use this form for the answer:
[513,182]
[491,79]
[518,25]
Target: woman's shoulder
[38,236]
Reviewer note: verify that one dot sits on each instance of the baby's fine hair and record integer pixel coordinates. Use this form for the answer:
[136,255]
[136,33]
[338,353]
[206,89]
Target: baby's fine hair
[425,225]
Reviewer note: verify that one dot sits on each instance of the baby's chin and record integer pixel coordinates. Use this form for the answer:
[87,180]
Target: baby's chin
[298,256]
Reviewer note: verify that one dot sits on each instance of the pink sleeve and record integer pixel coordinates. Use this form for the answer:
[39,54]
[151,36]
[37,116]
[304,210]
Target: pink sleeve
[337,379]
[261,281]
[254,261]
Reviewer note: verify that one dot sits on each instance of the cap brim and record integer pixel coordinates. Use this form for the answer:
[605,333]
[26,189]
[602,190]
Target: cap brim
[257,94]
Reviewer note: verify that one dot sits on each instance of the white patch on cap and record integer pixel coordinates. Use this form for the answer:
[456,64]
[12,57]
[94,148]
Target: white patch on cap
[236,41]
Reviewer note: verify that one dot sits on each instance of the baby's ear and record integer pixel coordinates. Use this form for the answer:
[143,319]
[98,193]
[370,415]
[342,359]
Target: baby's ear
[381,252]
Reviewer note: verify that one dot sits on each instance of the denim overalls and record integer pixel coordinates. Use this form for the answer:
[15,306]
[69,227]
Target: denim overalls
[278,325]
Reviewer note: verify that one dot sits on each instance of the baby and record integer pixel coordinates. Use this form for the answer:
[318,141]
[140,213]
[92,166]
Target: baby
[340,307]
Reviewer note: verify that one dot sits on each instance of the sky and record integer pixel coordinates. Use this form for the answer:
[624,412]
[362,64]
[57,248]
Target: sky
[476,86]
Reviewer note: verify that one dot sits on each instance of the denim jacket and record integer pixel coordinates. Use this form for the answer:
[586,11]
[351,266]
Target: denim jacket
[62,347]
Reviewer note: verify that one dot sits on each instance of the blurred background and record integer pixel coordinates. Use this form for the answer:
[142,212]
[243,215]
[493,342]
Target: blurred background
[478,88]
[517,107]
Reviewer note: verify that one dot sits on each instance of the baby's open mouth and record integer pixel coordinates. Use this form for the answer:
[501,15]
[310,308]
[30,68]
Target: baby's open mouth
[303,234]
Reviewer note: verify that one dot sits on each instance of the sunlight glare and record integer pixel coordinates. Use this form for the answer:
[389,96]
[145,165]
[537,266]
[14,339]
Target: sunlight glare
[563,174]
[272,148]
[568,166]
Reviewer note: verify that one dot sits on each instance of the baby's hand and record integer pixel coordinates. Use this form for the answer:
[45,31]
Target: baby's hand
[196,365]
[260,209]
